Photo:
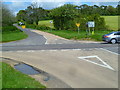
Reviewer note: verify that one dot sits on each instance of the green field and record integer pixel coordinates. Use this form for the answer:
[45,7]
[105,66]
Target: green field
[12,78]
[46,23]
[112,22]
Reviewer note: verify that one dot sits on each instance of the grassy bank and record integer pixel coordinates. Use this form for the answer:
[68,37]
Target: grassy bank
[12,36]
[14,79]
[112,22]
[81,36]
[11,33]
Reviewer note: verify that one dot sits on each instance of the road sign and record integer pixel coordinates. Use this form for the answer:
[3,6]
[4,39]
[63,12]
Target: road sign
[23,26]
[77,24]
[91,24]
[51,21]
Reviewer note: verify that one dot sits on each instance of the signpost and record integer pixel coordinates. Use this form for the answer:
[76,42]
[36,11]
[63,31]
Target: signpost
[91,24]
[51,23]
[78,25]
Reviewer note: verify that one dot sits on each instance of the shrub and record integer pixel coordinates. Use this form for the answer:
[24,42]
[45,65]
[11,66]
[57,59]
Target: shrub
[31,26]
[42,27]
[9,29]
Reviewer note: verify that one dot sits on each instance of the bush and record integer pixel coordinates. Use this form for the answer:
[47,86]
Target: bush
[31,26]
[9,29]
[42,27]
[39,27]
[70,24]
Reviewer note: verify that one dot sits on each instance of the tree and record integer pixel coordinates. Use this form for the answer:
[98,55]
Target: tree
[111,10]
[62,16]
[7,16]
[32,14]
[118,9]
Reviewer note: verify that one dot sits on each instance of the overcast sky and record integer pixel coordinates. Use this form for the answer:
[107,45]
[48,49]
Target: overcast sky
[16,5]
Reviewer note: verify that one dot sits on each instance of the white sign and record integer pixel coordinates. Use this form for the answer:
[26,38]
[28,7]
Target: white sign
[91,24]
[51,21]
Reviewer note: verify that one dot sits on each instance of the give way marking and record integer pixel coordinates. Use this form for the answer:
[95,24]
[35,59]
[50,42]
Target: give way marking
[98,61]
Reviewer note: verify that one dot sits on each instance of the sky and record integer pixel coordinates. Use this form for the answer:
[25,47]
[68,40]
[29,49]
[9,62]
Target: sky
[16,5]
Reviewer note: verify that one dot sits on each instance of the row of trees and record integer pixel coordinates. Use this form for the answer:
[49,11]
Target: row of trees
[102,10]
[65,17]
[33,14]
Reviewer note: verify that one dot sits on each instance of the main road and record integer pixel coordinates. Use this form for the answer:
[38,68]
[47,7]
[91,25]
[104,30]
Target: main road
[38,42]
[79,65]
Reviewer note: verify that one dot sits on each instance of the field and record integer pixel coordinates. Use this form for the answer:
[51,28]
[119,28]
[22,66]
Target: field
[112,22]
[14,79]
[46,23]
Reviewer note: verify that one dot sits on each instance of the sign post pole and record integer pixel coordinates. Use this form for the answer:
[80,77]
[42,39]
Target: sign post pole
[78,25]
[89,31]
[91,24]
[78,30]
[51,23]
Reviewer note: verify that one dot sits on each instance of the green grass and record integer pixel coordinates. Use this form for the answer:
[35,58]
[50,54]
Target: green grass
[46,23]
[14,79]
[82,36]
[112,22]
[12,36]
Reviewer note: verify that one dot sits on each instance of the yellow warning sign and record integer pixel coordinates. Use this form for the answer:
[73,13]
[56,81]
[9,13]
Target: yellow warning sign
[23,26]
[77,24]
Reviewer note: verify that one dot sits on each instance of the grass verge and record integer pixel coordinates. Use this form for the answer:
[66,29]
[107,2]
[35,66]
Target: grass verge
[81,36]
[11,33]
[12,78]
[12,36]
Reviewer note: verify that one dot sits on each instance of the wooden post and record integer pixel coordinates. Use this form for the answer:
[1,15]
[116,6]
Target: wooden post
[89,31]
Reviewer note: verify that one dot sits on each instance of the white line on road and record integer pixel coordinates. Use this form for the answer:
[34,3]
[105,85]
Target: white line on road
[30,51]
[109,51]
[86,58]
[46,40]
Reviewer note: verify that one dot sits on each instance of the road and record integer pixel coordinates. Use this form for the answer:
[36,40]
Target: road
[79,65]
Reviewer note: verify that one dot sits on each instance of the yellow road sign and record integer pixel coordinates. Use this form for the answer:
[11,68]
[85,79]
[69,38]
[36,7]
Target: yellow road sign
[23,26]
[77,24]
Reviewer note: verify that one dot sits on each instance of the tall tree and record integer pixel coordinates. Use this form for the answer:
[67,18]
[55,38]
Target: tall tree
[63,15]
[32,14]
[7,16]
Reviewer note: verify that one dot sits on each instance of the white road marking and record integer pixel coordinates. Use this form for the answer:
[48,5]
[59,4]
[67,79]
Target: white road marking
[19,51]
[109,51]
[86,58]
[46,40]
[30,51]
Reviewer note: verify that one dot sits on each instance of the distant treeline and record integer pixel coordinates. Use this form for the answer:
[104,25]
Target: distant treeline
[34,13]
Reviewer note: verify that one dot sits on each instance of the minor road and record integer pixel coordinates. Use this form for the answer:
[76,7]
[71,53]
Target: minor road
[33,39]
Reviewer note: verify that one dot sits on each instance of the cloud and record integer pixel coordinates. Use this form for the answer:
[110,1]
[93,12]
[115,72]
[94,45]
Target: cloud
[17,5]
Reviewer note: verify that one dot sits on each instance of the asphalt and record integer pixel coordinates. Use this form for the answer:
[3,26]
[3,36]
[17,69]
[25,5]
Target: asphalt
[62,60]
[33,39]
[100,71]
[37,41]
